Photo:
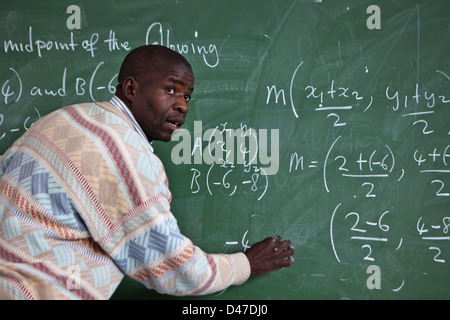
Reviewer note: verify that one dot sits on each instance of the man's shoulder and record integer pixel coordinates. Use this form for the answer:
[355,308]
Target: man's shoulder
[94,110]
[92,107]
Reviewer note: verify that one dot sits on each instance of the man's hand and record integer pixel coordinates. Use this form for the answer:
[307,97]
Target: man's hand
[269,255]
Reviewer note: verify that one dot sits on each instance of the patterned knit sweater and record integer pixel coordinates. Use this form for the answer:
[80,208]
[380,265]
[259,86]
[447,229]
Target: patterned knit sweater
[84,201]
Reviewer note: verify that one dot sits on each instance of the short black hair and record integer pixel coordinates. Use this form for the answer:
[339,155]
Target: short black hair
[149,58]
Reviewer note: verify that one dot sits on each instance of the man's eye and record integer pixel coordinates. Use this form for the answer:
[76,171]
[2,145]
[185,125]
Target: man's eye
[187,98]
[170,90]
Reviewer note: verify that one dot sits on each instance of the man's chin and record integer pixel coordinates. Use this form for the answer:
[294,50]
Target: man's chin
[167,138]
[164,137]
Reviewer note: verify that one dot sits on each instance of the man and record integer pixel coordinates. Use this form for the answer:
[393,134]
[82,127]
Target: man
[84,200]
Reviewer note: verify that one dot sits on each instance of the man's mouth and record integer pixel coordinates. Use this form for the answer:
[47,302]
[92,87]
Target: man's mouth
[175,124]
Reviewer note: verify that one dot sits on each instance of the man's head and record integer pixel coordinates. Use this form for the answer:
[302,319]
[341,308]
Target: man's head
[156,84]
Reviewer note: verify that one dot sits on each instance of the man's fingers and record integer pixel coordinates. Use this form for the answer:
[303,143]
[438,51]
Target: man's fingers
[283,248]
[287,262]
[285,244]
[282,263]
[274,239]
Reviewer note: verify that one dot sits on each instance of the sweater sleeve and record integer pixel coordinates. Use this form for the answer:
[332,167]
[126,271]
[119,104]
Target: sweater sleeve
[161,258]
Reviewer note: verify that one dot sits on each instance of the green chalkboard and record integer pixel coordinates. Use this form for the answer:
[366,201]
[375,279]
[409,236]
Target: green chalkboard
[347,106]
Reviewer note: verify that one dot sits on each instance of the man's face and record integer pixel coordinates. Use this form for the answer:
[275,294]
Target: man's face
[161,99]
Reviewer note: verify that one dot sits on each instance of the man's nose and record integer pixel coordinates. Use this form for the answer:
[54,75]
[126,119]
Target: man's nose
[181,104]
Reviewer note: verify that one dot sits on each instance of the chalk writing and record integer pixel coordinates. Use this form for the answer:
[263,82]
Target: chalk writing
[221,176]
[90,44]
[338,100]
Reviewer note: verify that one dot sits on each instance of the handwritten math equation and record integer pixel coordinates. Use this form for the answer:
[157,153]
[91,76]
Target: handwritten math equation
[229,177]
[338,100]
[369,169]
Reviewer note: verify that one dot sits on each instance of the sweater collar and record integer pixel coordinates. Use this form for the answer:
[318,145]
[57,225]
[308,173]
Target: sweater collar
[115,101]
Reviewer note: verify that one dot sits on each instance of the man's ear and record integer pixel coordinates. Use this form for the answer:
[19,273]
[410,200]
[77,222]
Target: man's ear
[129,86]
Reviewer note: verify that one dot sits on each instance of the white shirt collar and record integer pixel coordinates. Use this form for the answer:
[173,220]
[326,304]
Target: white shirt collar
[115,101]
